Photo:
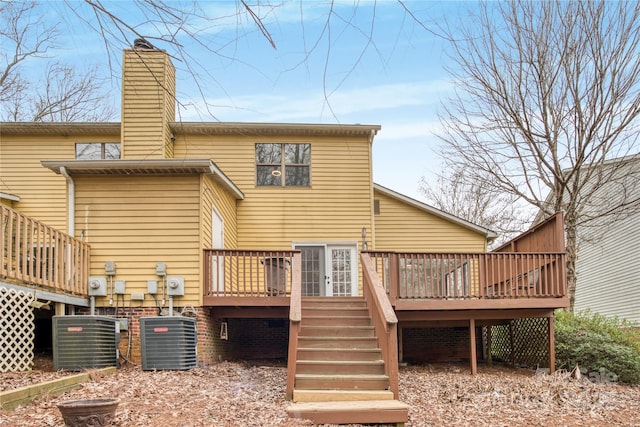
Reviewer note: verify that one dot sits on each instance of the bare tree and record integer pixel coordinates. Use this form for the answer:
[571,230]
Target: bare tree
[193,34]
[189,32]
[547,94]
[62,94]
[69,96]
[477,203]
[23,36]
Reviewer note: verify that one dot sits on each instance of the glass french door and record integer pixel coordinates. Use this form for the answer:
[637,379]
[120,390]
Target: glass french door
[329,270]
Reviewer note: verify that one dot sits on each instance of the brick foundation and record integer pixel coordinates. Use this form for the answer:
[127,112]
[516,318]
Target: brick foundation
[429,345]
[258,338]
[247,338]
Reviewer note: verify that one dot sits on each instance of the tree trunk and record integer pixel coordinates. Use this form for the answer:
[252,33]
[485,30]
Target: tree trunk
[572,255]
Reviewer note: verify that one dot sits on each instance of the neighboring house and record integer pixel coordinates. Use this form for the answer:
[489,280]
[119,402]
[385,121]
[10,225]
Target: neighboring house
[607,273]
[260,231]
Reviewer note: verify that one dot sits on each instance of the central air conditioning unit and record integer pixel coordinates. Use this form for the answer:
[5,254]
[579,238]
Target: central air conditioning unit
[82,342]
[168,342]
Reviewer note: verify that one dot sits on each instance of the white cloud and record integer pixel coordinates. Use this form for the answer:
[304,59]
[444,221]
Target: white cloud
[312,106]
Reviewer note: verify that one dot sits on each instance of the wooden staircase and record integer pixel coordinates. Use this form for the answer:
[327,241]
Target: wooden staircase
[340,375]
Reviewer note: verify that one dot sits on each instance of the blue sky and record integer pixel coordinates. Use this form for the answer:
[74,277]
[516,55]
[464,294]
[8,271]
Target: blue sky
[374,64]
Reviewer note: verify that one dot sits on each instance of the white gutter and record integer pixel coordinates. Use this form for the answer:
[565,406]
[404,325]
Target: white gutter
[71,212]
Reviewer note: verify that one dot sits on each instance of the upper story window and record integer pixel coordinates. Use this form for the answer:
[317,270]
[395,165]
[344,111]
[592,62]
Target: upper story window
[97,151]
[283,165]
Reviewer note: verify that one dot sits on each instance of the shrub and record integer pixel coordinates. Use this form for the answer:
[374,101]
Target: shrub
[598,345]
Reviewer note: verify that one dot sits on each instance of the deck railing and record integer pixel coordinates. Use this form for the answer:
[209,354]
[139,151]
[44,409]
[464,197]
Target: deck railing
[452,276]
[295,316]
[35,254]
[384,320]
[247,273]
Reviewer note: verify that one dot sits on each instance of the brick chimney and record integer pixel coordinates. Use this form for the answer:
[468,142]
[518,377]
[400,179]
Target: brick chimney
[148,102]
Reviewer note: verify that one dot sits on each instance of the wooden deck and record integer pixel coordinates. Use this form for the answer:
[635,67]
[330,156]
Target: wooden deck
[528,273]
[36,256]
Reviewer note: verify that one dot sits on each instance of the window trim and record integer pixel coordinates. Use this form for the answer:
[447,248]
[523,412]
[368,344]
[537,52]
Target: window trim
[103,150]
[282,166]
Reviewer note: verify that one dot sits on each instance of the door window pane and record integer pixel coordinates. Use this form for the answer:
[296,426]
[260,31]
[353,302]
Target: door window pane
[341,271]
[312,270]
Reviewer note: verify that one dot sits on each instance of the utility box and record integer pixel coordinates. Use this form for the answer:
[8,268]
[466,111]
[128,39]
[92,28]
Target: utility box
[82,342]
[276,271]
[97,286]
[175,285]
[152,287]
[168,342]
[119,286]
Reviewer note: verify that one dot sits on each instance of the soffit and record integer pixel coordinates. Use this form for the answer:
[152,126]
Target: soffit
[273,129]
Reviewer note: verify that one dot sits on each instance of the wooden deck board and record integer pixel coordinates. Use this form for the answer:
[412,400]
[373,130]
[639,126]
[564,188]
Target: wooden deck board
[366,411]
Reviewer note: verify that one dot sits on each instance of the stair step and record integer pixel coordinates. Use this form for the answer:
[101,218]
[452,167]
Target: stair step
[360,303]
[332,302]
[371,367]
[340,395]
[337,342]
[341,382]
[334,311]
[335,321]
[339,354]
[351,412]
[336,331]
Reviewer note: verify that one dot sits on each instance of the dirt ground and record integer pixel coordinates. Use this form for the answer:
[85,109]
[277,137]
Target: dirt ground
[240,394]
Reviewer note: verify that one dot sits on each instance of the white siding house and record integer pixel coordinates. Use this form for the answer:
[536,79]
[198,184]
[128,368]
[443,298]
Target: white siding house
[608,265]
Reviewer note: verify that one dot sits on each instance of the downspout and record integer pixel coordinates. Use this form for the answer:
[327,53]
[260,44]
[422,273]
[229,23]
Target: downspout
[71,212]
[71,220]
[372,216]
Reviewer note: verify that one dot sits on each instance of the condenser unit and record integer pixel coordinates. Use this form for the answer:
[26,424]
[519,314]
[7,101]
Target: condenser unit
[168,342]
[81,342]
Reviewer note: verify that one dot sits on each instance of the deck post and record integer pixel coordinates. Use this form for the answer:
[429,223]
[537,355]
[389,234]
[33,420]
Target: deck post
[400,349]
[394,278]
[472,342]
[552,344]
[59,309]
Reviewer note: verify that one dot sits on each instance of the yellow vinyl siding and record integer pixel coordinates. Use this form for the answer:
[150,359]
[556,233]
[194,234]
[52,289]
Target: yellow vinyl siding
[43,194]
[148,105]
[137,221]
[404,228]
[334,208]
[225,204]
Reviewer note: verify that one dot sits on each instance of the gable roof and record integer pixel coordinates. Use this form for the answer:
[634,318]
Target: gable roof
[489,234]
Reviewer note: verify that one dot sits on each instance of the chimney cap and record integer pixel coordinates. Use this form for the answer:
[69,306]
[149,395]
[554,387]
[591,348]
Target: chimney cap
[142,44]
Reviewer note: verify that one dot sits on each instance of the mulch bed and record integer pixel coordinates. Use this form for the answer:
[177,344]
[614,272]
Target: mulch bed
[242,394]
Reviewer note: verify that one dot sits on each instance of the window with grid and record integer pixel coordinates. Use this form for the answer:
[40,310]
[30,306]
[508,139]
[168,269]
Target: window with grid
[283,165]
[97,151]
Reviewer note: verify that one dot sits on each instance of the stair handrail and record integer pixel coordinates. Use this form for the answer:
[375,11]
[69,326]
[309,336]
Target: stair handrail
[295,316]
[384,320]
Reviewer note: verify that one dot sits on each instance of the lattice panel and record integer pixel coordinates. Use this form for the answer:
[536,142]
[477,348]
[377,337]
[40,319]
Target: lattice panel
[16,330]
[523,342]
[531,342]
[500,343]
